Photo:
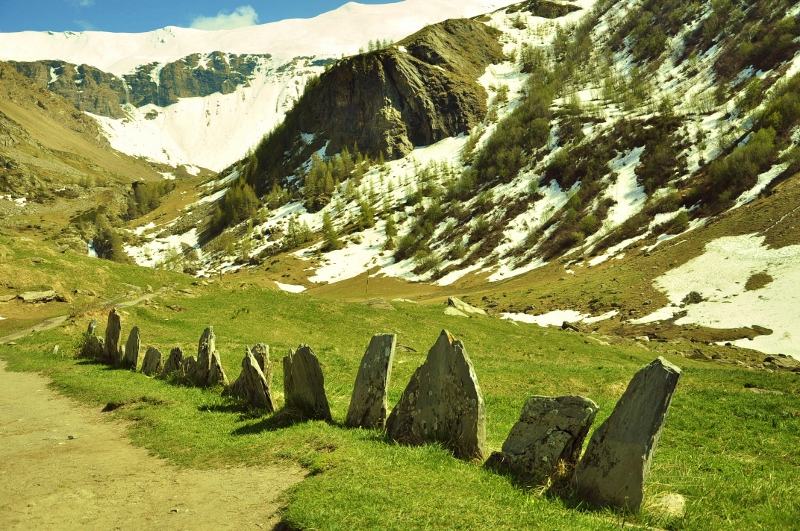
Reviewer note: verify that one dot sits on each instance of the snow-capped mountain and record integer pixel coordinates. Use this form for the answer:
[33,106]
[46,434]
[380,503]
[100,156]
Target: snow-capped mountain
[213,130]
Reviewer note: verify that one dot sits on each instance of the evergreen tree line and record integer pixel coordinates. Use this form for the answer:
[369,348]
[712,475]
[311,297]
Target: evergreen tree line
[146,197]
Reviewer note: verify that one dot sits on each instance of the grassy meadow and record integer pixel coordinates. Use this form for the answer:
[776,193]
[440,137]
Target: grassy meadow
[732,452]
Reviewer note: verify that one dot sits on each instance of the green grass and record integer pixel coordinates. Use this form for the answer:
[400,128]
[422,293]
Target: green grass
[732,453]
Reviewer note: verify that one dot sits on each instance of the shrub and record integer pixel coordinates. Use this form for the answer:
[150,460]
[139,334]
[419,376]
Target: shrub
[107,242]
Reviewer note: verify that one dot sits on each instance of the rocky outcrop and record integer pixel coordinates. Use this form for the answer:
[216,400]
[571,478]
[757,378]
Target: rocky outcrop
[548,437]
[617,461]
[463,307]
[98,92]
[33,297]
[443,402]
[113,337]
[420,91]
[368,404]
[252,384]
[132,348]
[153,362]
[304,385]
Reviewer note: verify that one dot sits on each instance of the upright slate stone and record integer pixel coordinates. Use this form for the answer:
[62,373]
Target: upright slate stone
[261,354]
[174,362]
[443,402]
[617,462]
[549,435]
[304,385]
[368,404]
[216,375]
[113,338]
[153,362]
[93,349]
[199,371]
[92,329]
[252,384]
[132,348]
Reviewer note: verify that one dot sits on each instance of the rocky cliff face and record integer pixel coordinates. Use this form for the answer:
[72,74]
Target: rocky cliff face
[98,92]
[415,93]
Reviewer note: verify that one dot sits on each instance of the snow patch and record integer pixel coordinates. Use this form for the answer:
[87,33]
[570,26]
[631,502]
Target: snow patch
[290,288]
[720,276]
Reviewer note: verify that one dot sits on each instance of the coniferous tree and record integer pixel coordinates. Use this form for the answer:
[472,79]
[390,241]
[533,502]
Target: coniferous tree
[330,235]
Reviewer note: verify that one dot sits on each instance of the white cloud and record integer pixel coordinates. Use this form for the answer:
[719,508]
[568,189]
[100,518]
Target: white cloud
[85,25]
[241,17]
[82,3]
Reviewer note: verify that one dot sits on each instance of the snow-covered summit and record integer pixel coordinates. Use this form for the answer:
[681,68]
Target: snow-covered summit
[343,30]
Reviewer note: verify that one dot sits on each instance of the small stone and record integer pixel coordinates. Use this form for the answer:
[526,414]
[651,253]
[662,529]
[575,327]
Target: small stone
[368,404]
[617,461]
[693,297]
[132,349]
[443,402]
[378,304]
[671,505]
[304,384]
[153,362]
[55,350]
[550,431]
[92,328]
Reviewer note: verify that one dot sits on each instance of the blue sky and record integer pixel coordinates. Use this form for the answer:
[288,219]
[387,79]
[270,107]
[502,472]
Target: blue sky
[145,15]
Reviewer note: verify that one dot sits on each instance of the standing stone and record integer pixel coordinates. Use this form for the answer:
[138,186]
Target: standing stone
[304,385]
[153,362]
[550,432]
[174,362]
[216,375]
[113,338]
[132,348]
[617,462]
[261,354]
[200,370]
[92,330]
[368,405]
[443,402]
[252,384]
[188,367]
[93,349]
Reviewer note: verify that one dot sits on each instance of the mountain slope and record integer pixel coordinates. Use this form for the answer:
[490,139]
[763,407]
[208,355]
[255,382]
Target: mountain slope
[151,90]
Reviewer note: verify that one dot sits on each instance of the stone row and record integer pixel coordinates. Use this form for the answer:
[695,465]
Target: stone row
[443,403]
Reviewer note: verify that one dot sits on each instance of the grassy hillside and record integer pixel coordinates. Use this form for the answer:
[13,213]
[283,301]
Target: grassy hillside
[729,450]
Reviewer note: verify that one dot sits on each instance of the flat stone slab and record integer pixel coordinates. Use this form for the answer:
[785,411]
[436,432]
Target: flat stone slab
[547,439]
[41,296]
[463,307]
[304,384]
[368,404]
[617,461]
[443,402]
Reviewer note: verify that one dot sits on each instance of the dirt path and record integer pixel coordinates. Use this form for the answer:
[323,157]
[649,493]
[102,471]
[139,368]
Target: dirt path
[62,467]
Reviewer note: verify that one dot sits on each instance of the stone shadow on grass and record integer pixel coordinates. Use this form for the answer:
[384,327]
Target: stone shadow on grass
[281,419]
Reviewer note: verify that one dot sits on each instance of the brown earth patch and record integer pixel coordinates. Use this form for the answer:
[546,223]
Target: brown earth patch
[62,467]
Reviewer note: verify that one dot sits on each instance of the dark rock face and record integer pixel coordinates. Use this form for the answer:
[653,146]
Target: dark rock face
[153,362]
[368,404]
[392,100]
[252,384]
[113,337]
[98,92]
[544,9]
[550,432]
[304,385]
[617,461]
[443,402]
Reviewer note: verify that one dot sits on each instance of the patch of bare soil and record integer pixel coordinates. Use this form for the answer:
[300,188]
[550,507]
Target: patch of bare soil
[62,467]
